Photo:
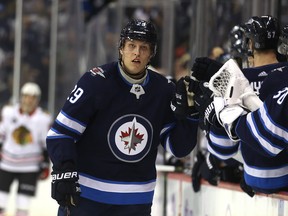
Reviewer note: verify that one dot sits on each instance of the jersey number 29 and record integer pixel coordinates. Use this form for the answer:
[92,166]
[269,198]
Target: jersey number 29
[75,94]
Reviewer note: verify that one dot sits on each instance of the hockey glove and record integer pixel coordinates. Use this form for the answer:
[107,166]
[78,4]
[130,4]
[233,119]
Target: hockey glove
[196,174]
[204,68]
[182,103]
[65,187]
[210,170]
[44,166]
[205,106]
[233,96]
[232,171]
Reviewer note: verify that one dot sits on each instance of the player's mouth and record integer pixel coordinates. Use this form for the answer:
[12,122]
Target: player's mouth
[137,61]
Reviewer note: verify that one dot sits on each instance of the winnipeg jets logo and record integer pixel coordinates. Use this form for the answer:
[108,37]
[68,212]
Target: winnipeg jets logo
[130,138]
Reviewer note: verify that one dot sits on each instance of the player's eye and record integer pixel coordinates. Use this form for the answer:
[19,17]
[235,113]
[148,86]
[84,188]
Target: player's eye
[144,48]
[131,46]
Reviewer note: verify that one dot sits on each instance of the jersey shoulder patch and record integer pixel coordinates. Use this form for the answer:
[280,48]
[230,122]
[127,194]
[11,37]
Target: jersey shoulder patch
[104,70]
[97,71]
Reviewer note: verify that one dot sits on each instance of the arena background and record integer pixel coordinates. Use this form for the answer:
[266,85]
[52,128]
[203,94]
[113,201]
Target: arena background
[53,42]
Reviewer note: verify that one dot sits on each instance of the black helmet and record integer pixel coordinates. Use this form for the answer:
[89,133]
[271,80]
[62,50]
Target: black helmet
[139,30]
[264,32]
[283,41]
[236,40]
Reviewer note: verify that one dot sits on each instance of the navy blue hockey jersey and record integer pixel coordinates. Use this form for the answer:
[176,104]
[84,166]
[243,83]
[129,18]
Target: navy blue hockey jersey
[263,133]
[112,129]
[257,75]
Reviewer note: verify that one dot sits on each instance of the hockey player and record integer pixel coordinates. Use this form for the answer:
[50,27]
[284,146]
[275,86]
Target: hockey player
[24,158]
[236,49]
[261,39]
[261,135]
[283,41]
[208,166]
[262,174]
[265,129]
[103,143]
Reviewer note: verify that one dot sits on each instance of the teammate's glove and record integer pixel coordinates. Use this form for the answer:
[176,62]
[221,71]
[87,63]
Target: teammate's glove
[204,68]
[231,171]
[196,174]
[65,187]
[210,170]
[205,106]
[233,96]
[182,103]
[44,166]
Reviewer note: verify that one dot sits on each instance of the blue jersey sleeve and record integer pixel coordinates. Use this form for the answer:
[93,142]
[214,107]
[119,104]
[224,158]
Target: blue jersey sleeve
[266,129]
[220,145]
[182,138]
[73,118]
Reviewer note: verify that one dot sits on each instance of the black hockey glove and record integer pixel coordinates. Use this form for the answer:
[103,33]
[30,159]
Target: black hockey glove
[204,68]
[205,106]
[232,171]
[182,103]
[210,170]
[65,187]
[196,174]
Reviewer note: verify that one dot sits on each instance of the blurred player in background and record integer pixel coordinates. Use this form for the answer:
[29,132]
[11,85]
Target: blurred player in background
[103,143]
[283,42]
[24,158]
[236,49]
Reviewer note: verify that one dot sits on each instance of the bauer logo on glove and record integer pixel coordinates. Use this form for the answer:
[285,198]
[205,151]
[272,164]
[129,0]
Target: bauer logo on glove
[66,175]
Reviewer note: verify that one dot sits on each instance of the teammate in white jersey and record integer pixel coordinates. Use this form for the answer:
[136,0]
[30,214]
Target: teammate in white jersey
[23,130]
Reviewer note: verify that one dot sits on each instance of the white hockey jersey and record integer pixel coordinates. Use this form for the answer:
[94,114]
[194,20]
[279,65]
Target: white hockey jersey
[23,138]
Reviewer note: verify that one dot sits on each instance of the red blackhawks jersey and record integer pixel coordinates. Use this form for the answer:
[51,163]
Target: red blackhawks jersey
[23,138]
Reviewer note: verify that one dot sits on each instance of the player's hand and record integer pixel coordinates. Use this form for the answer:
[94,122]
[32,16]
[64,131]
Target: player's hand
[205,106]
[204,68]
[210,170]
[44,172]
[44,166]
[182,103]
[65,187]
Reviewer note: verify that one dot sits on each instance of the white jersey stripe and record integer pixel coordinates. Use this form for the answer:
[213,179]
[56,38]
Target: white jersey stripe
[221,141]
[272,127]
[266,173]
[116,187]
[266,145]
[68,122]
[221,156]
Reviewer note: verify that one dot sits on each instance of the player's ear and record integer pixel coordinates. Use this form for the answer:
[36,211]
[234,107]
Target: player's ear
[121,51]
